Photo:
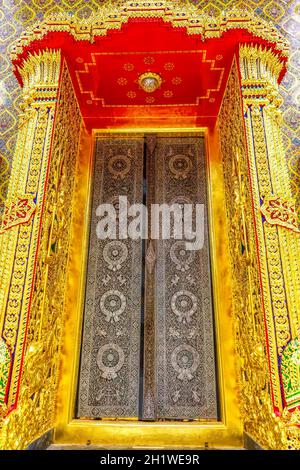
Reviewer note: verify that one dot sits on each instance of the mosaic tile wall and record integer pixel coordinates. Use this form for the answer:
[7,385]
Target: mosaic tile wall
[16,15]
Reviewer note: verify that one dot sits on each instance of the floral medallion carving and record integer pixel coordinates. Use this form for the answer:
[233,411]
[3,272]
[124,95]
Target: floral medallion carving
[110,359]
[180,166]
[185,361]
[112,305]
[119,166]
[181,257]
[184,305]
[114,254]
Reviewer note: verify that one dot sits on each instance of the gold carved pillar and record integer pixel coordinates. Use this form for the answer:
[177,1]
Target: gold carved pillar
[275,222]
[21,223]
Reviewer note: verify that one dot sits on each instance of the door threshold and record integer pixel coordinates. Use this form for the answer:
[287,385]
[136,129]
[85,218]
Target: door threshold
[130,434]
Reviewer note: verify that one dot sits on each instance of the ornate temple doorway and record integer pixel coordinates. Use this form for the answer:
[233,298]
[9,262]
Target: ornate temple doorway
[148,336]
[124,328]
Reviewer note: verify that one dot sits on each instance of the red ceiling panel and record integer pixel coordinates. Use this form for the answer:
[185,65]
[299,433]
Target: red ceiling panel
[105,74]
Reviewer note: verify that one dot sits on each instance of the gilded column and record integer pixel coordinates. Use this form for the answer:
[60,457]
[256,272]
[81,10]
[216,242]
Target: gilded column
[275,221]
[21,223]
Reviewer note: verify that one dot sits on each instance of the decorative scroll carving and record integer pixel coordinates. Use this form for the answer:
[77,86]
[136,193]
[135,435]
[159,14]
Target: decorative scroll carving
[279,211]
[34,414]
[109,373]
[185,364]
[18,211]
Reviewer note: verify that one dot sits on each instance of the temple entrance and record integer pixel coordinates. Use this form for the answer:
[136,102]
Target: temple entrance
[111,342]
[148,336]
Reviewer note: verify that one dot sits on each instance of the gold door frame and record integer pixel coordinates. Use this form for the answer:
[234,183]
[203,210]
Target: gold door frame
[227,432]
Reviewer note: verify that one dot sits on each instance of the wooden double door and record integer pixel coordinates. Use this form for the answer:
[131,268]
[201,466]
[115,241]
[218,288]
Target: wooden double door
[148,336]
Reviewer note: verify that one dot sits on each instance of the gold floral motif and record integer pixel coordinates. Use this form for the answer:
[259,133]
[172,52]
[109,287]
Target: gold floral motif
[279,211]
[168,94]
[176,80]
[17,211]
[131,94]
[122,81]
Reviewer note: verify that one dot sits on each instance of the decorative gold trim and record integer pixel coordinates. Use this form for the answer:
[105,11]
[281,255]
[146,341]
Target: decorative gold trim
[178,13]
[277,248]
[34,266]
[20,243]
[17,211]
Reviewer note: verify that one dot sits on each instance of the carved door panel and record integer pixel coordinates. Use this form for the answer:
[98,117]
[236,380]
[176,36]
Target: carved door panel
[148,338]
[185,358]
[110,359]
